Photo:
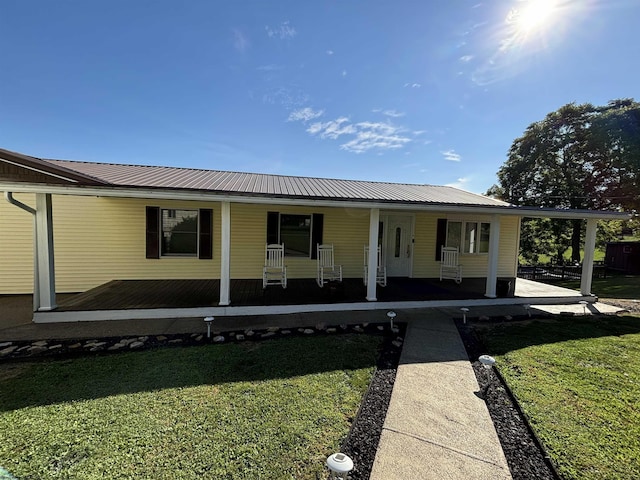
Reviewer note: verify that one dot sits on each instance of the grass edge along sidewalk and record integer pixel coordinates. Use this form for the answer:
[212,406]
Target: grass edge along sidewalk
[272,409]
[578,380]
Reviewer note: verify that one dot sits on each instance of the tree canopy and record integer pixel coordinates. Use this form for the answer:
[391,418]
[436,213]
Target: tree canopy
[579,157]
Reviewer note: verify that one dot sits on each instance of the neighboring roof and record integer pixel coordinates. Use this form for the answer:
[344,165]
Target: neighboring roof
[273,185]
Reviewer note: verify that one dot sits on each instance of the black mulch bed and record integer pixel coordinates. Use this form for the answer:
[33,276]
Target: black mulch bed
[525,456]
[362,442]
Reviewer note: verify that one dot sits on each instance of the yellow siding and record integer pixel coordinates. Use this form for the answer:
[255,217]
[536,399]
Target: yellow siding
[98,239]
[347,229]
[473,265]
[16,246]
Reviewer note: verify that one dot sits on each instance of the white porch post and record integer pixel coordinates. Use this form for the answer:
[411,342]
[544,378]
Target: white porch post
[372,261]
[44,271]
[225,251]
[494,247]
[587,261]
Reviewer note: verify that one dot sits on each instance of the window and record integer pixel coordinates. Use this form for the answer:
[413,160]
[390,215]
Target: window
[299,233]
[470,237]
[295,233]
[179,232]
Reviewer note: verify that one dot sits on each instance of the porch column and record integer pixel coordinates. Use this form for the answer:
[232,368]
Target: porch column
[494,247]
[225,252]
[44,295]
[372,261]
[587,261]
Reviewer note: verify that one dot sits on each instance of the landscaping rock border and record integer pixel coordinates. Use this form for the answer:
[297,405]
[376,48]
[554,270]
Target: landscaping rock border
[522,449]
[42,349]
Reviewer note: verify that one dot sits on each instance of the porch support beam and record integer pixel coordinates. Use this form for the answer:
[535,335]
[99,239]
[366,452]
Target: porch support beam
[587,261]
[44,276]
[225,253]
[372,261]
[494,248]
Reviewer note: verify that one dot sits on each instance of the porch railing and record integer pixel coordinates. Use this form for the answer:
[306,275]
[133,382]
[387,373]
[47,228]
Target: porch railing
[558,272]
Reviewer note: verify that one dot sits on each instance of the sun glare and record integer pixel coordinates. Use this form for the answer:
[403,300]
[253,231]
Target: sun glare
[534,15]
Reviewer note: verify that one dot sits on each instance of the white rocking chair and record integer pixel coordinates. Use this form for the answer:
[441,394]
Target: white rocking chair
[449,266]
[327,269]
[381,273]
[274,271]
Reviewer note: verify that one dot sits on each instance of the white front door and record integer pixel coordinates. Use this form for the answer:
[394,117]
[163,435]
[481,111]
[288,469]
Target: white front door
[398,252]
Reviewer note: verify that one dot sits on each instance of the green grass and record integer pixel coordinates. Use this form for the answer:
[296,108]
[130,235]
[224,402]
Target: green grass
[578,382]
[614,286]
[269,410]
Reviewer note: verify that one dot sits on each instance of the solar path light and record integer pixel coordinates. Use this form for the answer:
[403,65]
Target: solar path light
[391,314]
[464,311]
[208,321]
[339,465]
[487,362]
[584,304]
[527,307]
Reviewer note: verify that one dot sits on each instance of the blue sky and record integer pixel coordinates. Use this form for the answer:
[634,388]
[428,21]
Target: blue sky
[403,91]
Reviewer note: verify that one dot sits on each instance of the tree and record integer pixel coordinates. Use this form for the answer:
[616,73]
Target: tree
[578,157]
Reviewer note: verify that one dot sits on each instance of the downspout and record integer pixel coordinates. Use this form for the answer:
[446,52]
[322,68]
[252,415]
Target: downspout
[36,288]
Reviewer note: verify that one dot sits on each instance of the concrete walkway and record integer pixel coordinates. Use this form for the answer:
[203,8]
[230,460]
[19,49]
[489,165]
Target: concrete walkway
[436,427]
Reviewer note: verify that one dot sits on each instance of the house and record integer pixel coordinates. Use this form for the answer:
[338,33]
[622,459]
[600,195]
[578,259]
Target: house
[69,226]
[623,257]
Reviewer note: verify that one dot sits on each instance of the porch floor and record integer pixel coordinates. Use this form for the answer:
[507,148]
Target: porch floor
[145,294]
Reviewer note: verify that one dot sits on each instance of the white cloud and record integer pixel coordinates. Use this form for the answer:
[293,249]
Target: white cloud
[284,31]
[270,68]
[451,156]
[466,58]
[344,73]
[329,52]
[393,113]
[332,129]
[304,115]
[289,97]
[367,136]
[240,41]
[412,85]
[461,183]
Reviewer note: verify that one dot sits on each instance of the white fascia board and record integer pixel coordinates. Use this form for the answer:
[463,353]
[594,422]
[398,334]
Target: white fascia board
[166,194]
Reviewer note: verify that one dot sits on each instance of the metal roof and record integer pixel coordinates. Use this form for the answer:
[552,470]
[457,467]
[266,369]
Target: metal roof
[214,181]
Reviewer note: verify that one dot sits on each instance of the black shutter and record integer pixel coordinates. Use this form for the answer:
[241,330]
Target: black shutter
[153,232]
[272,227]
[205,243]
[441,237]
[317,224]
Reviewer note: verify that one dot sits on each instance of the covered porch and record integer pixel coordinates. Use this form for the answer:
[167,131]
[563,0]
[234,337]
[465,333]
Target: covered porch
[147,299]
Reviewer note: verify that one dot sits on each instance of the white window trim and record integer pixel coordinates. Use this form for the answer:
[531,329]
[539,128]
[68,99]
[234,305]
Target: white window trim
[463,230]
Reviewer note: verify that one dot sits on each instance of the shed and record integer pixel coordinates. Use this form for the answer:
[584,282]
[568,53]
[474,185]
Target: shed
[623,257]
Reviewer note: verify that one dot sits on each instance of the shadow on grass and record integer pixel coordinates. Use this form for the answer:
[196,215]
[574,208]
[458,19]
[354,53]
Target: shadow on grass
[35,384]
[614,286]
[504,338]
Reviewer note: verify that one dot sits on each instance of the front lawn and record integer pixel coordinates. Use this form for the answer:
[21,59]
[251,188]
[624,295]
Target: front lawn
[614,286]
[269,410]
[578,382]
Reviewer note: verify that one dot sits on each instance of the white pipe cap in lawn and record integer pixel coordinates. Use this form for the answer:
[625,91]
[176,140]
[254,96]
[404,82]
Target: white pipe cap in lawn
[527,307]
[340,465]
[487,360]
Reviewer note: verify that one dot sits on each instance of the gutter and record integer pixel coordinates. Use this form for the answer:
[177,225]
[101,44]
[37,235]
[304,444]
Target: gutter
[152,193]
[36,286]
